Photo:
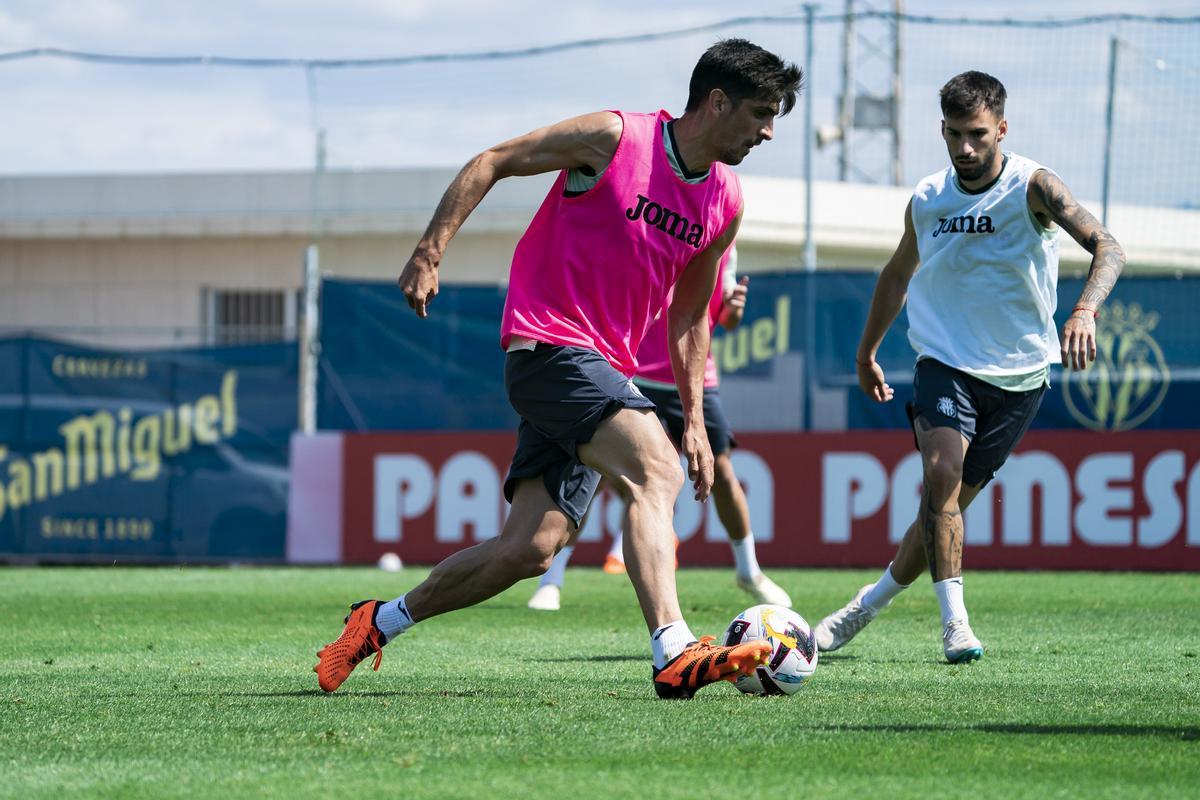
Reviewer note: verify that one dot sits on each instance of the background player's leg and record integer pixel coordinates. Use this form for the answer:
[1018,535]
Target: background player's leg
[943,451]
[910,560]
[734,513]
[727,492]
[614,561]
[548,595]
[633,453]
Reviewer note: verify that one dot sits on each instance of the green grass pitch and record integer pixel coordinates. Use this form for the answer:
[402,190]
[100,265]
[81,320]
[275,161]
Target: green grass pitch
[190,682]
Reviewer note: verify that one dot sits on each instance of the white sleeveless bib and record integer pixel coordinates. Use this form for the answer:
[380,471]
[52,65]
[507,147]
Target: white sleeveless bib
[983,298]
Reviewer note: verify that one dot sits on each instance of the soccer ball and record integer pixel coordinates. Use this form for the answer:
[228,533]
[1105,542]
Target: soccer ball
[390,562]
[793,649]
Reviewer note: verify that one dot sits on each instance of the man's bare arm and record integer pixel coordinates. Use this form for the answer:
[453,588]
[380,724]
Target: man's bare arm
[891,290]
[688,342]
[1050,198]
[589,140]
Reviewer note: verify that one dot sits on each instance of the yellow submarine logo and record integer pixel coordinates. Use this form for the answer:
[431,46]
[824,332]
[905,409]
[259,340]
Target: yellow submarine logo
[1129,379]
[790,638]
[788,635]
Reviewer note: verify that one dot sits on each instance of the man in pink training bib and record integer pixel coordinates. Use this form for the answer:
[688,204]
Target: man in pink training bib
[656,380]
[618,230]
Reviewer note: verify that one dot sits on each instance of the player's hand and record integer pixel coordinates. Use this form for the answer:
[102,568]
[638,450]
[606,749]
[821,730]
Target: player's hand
[699,459]
[419,282]
[736,299]
[1079,340]
[871,381]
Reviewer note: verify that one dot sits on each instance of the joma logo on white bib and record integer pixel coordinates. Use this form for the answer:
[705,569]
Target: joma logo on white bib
[965,224]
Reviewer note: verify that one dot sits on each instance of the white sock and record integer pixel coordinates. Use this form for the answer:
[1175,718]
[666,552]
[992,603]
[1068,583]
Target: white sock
[393,618]
[745,561]
[554,575]
[883,591]
[669,641]
[950,597]
[615,550]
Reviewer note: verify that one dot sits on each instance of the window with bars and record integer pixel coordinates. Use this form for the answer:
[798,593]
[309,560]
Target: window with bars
[246,316]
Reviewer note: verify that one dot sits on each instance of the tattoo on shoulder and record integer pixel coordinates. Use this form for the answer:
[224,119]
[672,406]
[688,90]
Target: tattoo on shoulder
[1108,258]
[1076,220]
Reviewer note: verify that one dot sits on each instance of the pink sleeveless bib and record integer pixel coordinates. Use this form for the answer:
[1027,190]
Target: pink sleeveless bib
[594,270]
[653,357]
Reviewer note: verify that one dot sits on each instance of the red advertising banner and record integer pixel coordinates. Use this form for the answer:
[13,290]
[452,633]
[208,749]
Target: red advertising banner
[1065,500]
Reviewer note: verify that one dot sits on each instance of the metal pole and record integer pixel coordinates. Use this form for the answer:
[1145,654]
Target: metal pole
[810,247]
[846,110]
[310,344]
[897,95]
[1108,126]
[309,340]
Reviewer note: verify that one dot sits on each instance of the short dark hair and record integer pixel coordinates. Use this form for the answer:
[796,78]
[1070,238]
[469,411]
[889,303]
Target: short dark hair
[966,93]
[743,71]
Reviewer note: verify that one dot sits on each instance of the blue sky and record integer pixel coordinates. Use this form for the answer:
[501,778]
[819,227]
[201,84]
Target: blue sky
[68,117]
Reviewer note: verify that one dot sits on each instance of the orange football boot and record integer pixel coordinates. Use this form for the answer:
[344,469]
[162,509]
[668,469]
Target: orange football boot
[703,663]
[360,638]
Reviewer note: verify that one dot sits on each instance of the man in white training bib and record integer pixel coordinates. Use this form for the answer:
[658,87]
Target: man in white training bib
[978,264]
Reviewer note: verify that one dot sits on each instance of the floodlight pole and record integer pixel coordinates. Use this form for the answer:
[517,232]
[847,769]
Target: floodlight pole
[310,344]
[310,323]
[1113,46]
[846,109]
[810,247]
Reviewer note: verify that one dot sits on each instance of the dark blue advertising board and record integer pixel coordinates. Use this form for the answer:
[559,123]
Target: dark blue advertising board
[144,455]
[385,369]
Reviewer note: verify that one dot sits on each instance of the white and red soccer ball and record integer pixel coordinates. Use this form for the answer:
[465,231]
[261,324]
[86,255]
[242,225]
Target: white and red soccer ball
[793,649]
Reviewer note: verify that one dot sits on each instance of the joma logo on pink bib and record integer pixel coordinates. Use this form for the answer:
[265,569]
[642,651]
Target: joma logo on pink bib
[668,221]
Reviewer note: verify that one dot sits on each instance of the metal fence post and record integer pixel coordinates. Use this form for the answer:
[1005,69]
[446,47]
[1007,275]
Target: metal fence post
[1113,44]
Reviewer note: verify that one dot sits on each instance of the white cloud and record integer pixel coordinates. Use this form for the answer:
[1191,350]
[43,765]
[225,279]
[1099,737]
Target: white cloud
[15,34]
[164,131]
[69,116]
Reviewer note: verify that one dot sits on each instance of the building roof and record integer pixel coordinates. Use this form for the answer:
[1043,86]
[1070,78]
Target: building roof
[858,222]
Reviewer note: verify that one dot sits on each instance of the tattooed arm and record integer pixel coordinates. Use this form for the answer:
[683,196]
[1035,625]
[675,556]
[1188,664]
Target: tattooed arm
[1051,201]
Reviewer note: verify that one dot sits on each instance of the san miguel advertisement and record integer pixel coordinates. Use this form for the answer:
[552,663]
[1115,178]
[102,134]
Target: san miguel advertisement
[142,455]
[1065,500]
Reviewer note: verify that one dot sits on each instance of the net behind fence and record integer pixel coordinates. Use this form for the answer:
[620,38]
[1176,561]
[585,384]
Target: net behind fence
[238,114]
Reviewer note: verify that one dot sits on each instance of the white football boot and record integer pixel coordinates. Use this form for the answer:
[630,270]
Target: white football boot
[764,590]
[959,642]
[844,624]
[546,598]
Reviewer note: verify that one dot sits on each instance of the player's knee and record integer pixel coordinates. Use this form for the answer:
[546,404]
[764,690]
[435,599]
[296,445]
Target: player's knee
[723,475]
[663,473]
[528,559]
[943,477]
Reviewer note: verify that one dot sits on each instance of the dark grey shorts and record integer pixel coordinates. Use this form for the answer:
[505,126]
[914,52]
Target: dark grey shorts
[991,419]
[669,408]
[562,395]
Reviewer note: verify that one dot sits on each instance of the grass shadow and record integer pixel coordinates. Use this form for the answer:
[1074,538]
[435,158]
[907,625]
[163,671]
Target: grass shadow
[448,693]
[594,659]
[1187,733]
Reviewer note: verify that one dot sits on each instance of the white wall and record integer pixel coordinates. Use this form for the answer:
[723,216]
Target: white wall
[124,251]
